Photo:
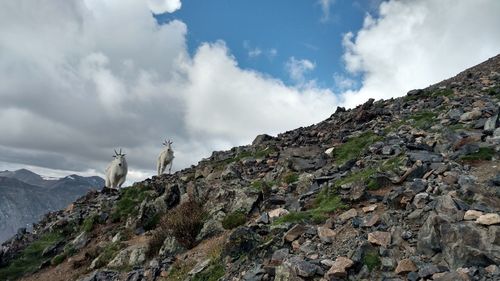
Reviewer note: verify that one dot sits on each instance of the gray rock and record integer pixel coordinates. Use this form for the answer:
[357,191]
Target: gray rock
[170,247]
[463,243]
[425,156]
[101,275]
[80,241]
[304,268]
[387,264]
[387,150]
[279,256]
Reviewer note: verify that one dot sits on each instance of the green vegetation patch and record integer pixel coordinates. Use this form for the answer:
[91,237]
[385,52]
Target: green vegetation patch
[152,222]
[129,200]
[30,258]
[89,222]
[179,271]
[58,259]
[108,253]
[371,260]
[494,92]
[212,273]
[234,219]
[293,217]
[423,120]
[353,148]
[290,178]
[324,204]
[258,154]
[484,153]
[427,94]
[442,93]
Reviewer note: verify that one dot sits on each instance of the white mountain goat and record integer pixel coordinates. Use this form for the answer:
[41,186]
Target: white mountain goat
[165,158]
[116,172]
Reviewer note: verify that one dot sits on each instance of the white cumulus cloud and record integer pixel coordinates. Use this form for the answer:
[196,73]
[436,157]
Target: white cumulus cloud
[413,44]
[297,68]
[164,6]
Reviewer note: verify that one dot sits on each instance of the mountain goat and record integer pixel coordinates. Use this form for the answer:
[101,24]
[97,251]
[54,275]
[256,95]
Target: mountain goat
[166,157]
[116,172]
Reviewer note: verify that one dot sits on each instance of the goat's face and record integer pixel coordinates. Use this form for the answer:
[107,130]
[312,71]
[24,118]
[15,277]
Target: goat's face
[119,158]
[168,145]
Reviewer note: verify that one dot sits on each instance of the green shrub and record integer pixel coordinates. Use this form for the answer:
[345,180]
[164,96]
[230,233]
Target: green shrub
[58,259]
[179,271]
[234,219]
[423,120]
[130,198]
[323,206]
[30,259]
[353,148]
[89,222]
[484,153]
[293,217]
[360,176]
[184,222]
[212,273]
[371,259]
[257,185]
[152,222]
[108,253]
[290,178]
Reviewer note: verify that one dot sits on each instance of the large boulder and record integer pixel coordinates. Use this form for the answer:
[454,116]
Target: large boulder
[462,243]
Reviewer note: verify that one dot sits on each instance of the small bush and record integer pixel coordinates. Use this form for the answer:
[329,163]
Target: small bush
[371,260]
[89,222]
[324,204]
[58,259]
[484,153]
[293,217]
[212,273]
[234,219]
[179,271]
[290,178]
[152,222]
[423,120]
[184,222]
[257,185]
[353,148]
[108,253]
[130,198]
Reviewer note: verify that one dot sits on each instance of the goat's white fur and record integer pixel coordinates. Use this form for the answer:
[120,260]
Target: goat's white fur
[116,172]
[165,158]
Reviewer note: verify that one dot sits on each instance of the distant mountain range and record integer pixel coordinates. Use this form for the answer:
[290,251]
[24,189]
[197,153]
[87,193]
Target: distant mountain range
[26,196]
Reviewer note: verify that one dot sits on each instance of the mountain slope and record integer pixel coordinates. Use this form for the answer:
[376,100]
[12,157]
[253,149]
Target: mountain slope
[26,196]
[400,189]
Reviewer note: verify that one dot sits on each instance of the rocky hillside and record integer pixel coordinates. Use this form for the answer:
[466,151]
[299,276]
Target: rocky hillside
[400,189]
[26,196]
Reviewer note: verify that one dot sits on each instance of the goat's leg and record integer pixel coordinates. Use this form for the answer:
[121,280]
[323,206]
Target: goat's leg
[158,168]
[120,182]
[170,169]
[107,184]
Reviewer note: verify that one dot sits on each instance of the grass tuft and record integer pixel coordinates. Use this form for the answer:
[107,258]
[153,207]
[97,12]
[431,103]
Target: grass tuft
[354,147]
[130,199]
[234,219]
[212,273]
[484,153]
[371,260]
[290,178]
[324,204]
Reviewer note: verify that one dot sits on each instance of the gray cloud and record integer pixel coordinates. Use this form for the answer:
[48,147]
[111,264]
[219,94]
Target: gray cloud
[81,78]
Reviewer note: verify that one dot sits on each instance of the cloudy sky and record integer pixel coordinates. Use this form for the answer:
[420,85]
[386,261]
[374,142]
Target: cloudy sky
[80,78]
